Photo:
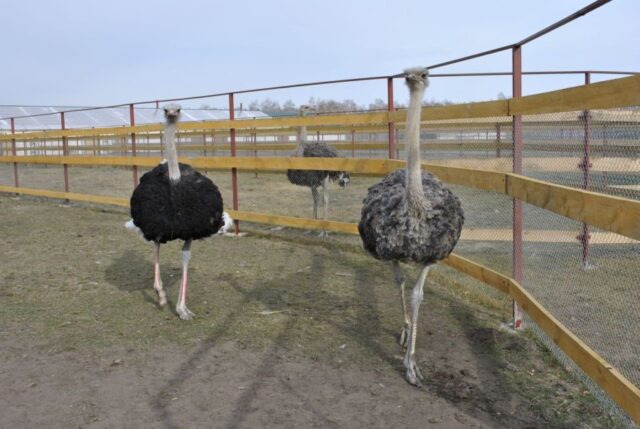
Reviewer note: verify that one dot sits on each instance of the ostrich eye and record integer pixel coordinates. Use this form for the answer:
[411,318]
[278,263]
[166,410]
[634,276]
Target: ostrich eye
[423,75]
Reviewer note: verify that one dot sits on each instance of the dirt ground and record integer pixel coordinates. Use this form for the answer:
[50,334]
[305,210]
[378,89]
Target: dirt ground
[288,333]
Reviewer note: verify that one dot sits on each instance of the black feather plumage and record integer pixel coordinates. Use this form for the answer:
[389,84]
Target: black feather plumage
[188,209]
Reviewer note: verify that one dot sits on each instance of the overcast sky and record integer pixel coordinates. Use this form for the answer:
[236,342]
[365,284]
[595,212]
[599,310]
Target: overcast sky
[82,52]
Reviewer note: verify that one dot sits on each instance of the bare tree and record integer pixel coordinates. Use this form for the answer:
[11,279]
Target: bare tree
[289,105]
[321,105]
[378,104]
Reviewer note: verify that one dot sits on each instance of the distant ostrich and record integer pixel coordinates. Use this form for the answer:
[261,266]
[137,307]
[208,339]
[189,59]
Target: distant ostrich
[315,178]
[173,201]
[411,217]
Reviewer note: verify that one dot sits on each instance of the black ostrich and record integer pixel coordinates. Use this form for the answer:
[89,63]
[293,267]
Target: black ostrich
[411,217]
[173,201]
[315,178]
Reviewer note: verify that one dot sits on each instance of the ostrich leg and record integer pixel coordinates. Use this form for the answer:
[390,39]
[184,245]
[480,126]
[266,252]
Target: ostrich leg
[181,306]
[413,373]
[314,194]
[325,197]
[157,282]
[400,280]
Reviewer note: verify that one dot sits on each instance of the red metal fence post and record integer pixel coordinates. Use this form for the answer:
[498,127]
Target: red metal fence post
[204,143]
[132,120]
[517,168]
[14,152]
[585,166]
[353,143]
[254,142]
[498,140]
[234,171]
[392,125]
[65,152]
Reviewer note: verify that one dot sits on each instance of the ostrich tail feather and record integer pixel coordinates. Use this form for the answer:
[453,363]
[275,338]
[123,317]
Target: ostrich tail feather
[132,227]
[228,222]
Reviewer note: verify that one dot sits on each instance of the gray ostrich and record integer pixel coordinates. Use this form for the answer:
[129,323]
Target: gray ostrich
[411,217]
[315,178]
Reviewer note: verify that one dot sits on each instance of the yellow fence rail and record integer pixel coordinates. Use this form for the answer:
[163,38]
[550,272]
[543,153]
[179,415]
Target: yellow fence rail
[615,214]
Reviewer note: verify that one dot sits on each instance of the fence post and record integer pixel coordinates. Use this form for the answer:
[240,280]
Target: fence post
[65,152]
[517,168]
[132,120]
[204,143]
[254,141]
[234,171]
[605,153]
[353,143]
[14,152]
[585,166]
[498,140]
[392,125]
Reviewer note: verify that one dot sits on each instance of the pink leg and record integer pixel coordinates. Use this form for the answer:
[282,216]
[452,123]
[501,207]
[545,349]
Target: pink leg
[181,306]
[157,283]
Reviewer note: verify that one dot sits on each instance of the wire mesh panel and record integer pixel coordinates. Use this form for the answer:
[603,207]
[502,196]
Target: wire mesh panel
[588,278]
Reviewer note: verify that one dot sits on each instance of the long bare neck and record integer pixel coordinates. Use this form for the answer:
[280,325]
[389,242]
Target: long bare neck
[170,151]
[302,140]
[415,194]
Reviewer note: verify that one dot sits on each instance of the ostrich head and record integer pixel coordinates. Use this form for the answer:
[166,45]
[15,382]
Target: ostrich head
[305,108]
[172,113]
[417,78]
[344,179]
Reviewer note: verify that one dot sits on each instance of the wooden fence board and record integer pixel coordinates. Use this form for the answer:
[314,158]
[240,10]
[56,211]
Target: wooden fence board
[615,214]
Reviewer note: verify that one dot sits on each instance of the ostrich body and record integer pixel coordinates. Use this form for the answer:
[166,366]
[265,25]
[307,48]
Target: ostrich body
[173,201]
[411,217]
[316,178]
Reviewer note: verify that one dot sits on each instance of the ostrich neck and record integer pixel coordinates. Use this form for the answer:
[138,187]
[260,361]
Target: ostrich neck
[415,194]
[171,152]
[302,141]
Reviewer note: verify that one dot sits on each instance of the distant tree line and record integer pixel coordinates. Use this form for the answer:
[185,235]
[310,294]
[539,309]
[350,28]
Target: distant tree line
[327,105]
[321,105]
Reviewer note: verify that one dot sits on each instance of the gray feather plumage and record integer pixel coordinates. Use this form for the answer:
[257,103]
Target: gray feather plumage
[390,230]
[314,178]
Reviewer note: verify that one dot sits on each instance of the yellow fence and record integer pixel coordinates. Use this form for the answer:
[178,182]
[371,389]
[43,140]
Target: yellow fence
[617,215]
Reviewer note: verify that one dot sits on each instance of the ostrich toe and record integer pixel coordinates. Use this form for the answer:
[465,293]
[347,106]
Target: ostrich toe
[413,375]
[162,297]
[184,312]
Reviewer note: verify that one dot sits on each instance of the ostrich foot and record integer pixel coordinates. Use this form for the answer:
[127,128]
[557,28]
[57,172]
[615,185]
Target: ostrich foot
[404,336]
[413,376]
[162,295]
[162,298]
[184,312]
